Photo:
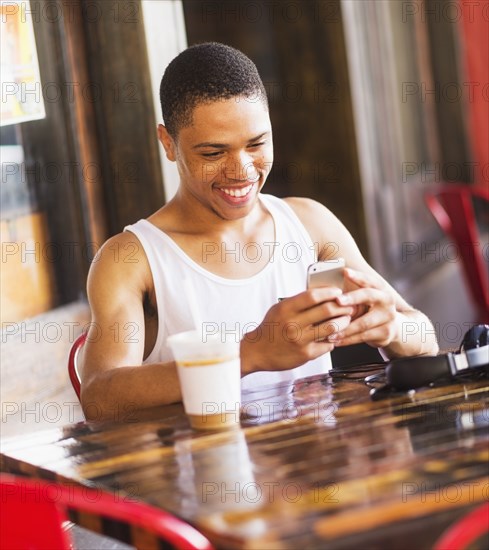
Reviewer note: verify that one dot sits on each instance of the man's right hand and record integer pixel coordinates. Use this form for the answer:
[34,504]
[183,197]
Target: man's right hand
[294,331]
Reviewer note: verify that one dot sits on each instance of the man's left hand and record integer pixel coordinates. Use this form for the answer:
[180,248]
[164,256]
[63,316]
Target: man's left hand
[375,322]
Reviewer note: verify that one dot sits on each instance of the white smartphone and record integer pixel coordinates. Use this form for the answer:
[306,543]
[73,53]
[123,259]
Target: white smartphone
[328,273]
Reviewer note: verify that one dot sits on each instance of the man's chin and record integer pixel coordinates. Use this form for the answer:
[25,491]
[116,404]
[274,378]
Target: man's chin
[233,208]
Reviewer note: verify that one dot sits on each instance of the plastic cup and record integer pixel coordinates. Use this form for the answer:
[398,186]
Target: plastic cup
[210,379]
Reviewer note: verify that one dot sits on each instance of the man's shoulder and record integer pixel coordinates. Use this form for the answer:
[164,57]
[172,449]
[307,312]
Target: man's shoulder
[123,247]
[303,204]
[322,225]
[120,258]
[311,212]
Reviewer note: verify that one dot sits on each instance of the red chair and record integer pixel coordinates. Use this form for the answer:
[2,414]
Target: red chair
[466,531]
[453,209]
[32,512]
[72,362]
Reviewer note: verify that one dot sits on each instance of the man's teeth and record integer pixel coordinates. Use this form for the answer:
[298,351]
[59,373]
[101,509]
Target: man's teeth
[237,192]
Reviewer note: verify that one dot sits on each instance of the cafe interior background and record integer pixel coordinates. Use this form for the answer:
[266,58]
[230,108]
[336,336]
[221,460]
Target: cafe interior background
[374,104]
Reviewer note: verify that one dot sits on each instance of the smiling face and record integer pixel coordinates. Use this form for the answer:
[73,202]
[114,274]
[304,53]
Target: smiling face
[223,157]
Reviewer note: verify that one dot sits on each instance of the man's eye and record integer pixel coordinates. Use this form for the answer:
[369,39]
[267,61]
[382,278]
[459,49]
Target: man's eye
[257,144]
[217,153]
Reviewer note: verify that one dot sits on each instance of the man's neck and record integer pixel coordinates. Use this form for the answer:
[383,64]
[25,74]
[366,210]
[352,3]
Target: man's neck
[189,216]
[219,245]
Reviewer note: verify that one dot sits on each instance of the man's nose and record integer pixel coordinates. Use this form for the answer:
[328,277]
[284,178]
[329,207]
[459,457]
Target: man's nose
[240,167]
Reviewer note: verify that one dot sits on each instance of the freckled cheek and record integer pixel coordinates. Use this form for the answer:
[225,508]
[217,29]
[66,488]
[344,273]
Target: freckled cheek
[207,171]
[200,171]
[264,164]
[267,158]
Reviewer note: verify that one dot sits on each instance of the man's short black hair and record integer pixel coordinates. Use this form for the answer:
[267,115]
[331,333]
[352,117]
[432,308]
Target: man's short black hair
[204,73]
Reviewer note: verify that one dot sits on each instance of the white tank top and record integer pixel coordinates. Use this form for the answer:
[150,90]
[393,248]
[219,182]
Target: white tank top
[232,306]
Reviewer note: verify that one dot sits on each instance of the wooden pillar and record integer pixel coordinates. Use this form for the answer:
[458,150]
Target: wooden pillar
[119,73]
[299,49]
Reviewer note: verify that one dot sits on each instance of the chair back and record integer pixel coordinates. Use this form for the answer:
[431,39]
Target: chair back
[28,521]
[452,207]
[465,532]
[33,510]
[72,363]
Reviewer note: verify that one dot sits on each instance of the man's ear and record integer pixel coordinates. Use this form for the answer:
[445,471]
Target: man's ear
[168,143]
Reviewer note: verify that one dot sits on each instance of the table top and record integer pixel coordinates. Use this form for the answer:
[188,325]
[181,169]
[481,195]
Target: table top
[315,463]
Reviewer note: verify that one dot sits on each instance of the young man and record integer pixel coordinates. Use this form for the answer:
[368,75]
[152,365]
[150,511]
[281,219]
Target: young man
[240,251]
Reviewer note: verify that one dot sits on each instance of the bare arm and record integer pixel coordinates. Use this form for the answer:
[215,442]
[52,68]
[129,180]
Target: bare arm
[383,318]
[113,379]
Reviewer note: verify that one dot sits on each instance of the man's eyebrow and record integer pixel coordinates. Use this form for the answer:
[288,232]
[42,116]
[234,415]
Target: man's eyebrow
[224,145]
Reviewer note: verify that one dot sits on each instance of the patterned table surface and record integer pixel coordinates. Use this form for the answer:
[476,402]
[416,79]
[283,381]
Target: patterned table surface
[315,464]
